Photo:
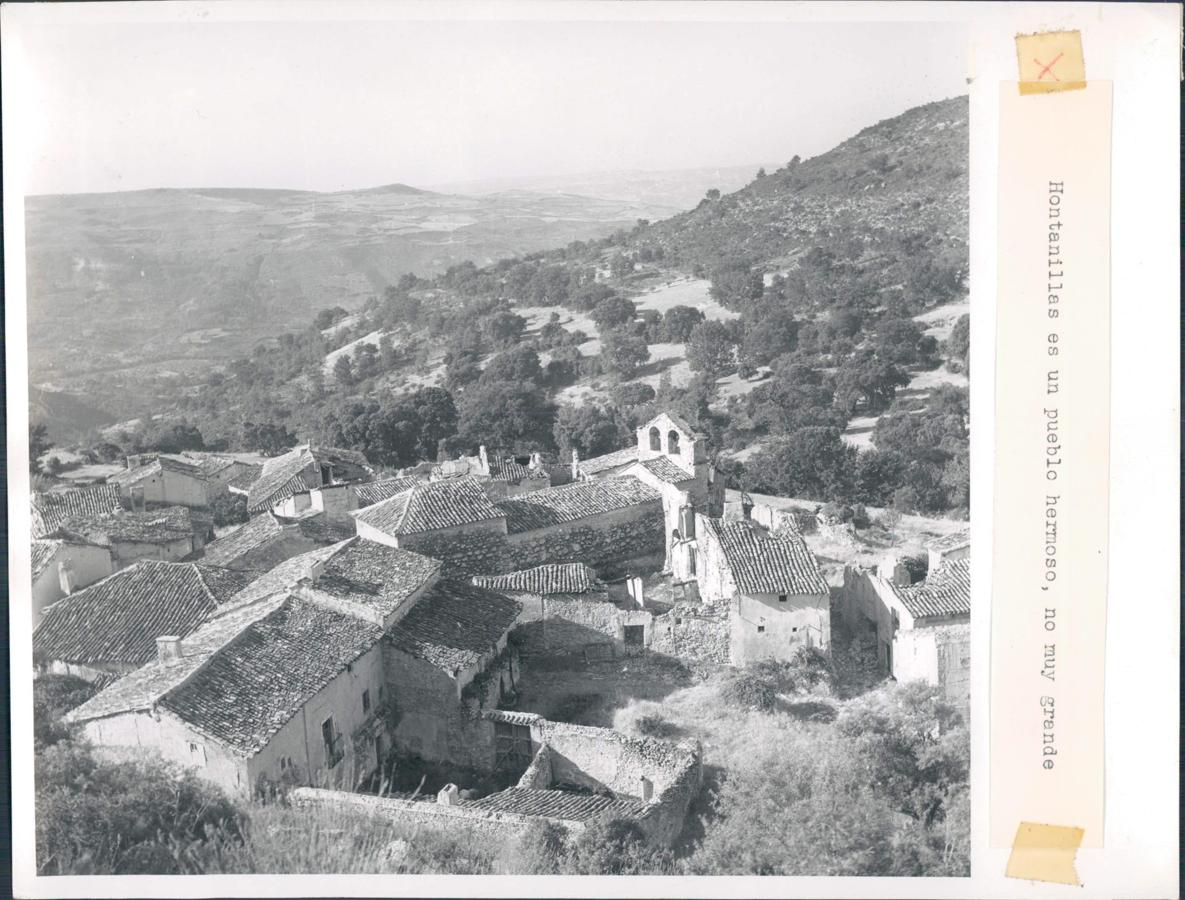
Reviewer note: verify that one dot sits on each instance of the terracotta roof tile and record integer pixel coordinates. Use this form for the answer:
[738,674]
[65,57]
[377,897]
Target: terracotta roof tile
[569,502]
[554,578]
[616,459]
[43,554]
[252,686]
[455,625]
[283,577]
[267,528]
[117,620]
[664,468]
[946,591]
[377,491]
[764,563]
[374,576]
[157,526]
[429,506]
[50,507]
[567,805]
[293,473]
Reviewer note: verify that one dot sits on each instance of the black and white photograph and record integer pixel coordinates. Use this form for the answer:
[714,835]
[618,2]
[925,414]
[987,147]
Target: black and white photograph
[501,444]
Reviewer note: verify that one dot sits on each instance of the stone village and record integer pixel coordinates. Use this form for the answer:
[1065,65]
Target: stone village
[355,615]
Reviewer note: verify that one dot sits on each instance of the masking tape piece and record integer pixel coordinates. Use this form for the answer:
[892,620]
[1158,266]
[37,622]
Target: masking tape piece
[1050,61]
[1044,853]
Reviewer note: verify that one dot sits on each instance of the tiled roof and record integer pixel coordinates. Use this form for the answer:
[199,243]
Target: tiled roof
[49,508]
[569,502]
[764,563]
[568,805]
[157,526]
[252,686]
[554,578]
[282,475]
[143,687]
[662,467]
[374,576]
[946,591]
[245,478]
[377,491]
[283,577]
[455,625]
[267,527]
[43,553]
[950,541]
[429,506]
[613,460]
[118,619]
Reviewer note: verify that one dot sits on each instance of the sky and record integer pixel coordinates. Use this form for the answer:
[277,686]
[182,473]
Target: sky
[334,106]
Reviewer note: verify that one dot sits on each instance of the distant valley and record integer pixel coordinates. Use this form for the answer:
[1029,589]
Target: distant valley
[129,287]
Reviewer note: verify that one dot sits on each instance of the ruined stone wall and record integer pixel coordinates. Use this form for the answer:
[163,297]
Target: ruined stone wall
[692,633]
[940,656]
[610,543]
[419,812]
[663,822]
[433,721]
[479,550]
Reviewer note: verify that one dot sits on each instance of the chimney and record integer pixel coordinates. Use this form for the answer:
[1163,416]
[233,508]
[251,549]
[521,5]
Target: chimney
[448,795]
[893,570]
[66,576]
[485,460]
[647,789]
[131,461]
[168,648]
[536,460]
[634,585]
[314,569]
[137,494]
[575,464]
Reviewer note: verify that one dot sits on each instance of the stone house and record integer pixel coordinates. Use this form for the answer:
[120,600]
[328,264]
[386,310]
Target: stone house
[922,629]
[170,480]
[111,626]
[452,520]
[48,508]
[60,567]
[283,690]
[266,540]
[312,674]
[168,535]
[566,607]
[445,660]
[285,483]
[777,599]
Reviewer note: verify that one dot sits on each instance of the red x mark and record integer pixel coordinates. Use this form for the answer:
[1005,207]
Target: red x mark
[1048,68]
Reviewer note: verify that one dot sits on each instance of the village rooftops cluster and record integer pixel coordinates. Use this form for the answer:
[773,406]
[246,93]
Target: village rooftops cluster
[49,508]
[767,563]
[546,580]
[946,591]
[302,469]
[430,506]
[570,502]
[116,621]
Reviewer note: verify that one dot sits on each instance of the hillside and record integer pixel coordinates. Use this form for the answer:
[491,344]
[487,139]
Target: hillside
[185,276]
[903,176]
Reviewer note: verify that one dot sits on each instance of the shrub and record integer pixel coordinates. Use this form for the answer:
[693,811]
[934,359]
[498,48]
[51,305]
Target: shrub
[610,846]
[748,690]
[121,818]
[655,726]
[229,508]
